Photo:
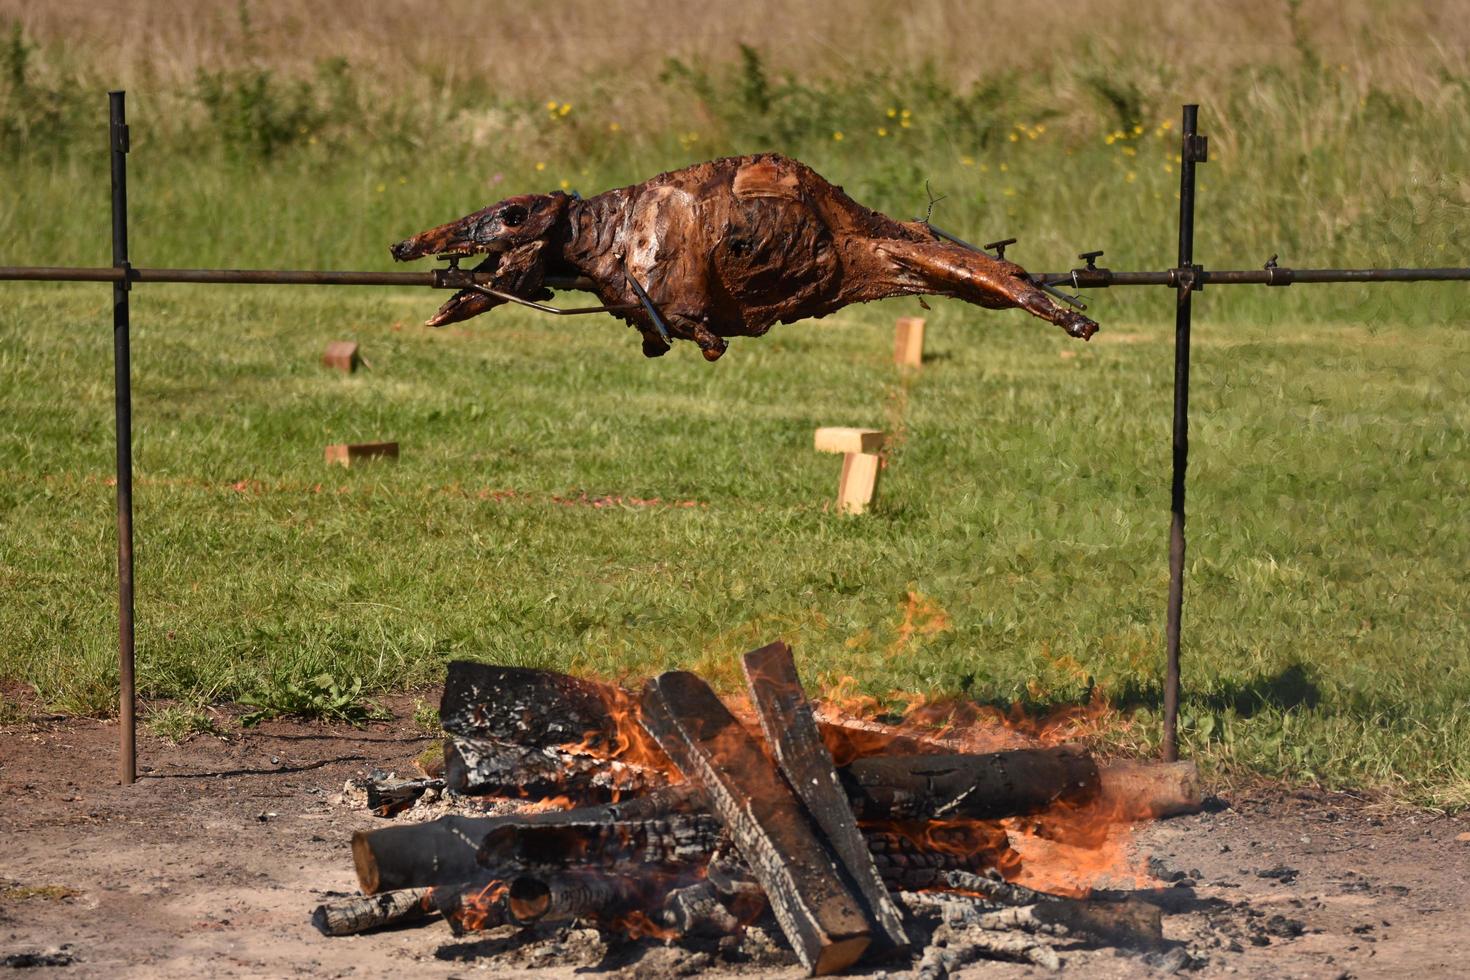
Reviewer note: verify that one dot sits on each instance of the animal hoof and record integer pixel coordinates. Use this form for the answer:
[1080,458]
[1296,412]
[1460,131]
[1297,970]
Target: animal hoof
[653,347]
[1078,325]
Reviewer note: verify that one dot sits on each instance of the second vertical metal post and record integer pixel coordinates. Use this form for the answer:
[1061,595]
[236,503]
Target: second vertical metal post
[117,134]
[1194,151]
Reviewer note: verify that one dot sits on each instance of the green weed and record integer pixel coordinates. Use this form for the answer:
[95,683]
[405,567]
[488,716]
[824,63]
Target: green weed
[320,696]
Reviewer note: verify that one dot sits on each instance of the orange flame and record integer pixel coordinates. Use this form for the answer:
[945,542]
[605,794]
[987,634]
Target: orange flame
[484,909]
[638,925]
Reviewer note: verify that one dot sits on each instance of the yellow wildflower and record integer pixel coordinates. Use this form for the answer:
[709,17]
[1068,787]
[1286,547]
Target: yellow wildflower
[1130,151]
[565,183]
[892,113]
[1167,125]
[551,106]
[1013,138]
[382,188]
[540,166]
[1168,168]
[967,161]
[837,136]
[566,107]
[1137,130]
[1130,176]
[1109,139]
[614,127]
[882,131]
[1040,127]
[1004,167]
[905,113]
[904,123]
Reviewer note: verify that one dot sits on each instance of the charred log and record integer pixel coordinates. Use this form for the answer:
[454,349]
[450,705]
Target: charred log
[486,767]
[671,843]
[363,913]
[473,905]
[596,896]
[791,732]
[443,851]
[528,707]
[819,914]
[982,787]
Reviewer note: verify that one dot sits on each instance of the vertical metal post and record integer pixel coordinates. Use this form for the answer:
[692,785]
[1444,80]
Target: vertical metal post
[123,416]
[1194,151]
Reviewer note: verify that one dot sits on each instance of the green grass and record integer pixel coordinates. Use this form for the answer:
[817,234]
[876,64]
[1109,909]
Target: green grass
[1018,553]
[1020,531]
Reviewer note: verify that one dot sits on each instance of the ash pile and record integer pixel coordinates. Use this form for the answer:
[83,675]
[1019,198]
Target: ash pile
[623,825]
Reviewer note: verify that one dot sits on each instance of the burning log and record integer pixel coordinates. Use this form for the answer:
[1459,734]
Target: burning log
[534,708]
[361,913]
[1148,790]
[697,910]
[673,842]
[473,905]
[820,916]
[983,787]
[562,896]
[791,731]
[486,767]
[443,851]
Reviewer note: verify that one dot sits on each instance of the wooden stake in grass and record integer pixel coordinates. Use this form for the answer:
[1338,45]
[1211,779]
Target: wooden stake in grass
[346,454]
[341,355]
[908,341]
[860,464]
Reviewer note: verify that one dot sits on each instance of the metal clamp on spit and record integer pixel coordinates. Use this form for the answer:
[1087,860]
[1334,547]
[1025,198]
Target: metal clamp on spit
[1277,275]
[1189,278]
[1093,276]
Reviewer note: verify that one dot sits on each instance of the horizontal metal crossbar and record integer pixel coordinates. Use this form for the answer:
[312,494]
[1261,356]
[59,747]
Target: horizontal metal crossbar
[460,279]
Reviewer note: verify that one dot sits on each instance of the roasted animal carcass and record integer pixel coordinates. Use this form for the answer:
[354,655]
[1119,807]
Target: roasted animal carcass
[722,249]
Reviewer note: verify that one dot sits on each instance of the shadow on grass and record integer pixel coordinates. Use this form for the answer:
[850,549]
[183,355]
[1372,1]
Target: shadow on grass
[1293,686]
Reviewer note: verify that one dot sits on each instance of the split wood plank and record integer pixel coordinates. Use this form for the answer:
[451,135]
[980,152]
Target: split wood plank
[346,454]
[819,914]
[341,355]
[908,341]
[791,731]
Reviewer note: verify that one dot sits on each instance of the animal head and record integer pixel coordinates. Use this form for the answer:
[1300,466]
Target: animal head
[498,228]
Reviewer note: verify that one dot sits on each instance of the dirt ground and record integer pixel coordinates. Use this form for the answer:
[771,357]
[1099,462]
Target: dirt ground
[210,866]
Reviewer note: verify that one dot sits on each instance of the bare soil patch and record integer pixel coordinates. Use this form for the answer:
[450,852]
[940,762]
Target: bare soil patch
[210,866]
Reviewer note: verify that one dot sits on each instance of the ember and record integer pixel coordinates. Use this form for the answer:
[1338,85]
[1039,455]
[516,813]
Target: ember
[664,816]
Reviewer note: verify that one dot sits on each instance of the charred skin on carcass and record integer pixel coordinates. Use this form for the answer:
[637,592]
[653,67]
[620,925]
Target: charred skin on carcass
[724,249]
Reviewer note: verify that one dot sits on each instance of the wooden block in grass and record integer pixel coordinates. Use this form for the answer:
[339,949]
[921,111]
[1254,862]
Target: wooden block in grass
[860,464]
[841,439]
[341,355]
[346,454]
[908,341]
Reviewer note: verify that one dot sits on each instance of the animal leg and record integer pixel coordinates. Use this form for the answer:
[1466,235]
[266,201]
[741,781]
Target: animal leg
[710,345]
[978,278]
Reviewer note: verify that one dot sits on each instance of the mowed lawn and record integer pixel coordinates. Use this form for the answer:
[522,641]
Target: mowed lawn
[561,501]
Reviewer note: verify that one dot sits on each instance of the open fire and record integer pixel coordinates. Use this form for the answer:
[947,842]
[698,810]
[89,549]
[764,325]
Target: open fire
[665,815]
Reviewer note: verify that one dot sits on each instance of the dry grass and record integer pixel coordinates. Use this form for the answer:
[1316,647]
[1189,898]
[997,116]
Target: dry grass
[1408,47]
